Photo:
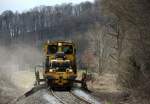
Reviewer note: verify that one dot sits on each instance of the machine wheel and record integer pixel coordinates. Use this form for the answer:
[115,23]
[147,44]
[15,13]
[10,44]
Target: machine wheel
[68,88]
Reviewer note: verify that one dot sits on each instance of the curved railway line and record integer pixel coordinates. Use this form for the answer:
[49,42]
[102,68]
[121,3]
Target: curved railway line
[63,97]
[69,98]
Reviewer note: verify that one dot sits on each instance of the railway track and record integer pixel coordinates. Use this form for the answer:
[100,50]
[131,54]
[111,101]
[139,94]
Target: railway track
[69,98]
[62,97]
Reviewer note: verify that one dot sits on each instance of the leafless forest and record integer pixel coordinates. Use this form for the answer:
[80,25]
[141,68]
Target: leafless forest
[112,36]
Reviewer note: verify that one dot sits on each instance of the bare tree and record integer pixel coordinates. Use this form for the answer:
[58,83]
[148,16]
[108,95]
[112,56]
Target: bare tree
[100,42]
[133,21]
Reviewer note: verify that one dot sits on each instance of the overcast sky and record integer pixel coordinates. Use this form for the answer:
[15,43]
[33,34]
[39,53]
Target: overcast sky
[23,5]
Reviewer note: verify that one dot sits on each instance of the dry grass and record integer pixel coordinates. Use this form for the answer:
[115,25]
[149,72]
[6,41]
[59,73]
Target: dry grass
[106,89]
[104,83]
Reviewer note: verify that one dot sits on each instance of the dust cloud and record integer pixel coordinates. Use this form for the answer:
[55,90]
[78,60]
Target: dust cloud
[17,70]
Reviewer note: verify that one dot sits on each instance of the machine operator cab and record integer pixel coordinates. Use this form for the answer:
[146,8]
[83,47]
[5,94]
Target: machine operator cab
[60,47]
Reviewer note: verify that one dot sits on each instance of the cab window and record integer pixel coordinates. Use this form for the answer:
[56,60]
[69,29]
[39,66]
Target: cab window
[52,49]
[68,49]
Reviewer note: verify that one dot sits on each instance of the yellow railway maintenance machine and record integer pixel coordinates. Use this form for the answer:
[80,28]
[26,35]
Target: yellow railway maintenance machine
[59,66]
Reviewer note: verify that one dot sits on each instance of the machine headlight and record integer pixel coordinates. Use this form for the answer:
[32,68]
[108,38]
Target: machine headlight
[51,70]
[70,70]
[59,44]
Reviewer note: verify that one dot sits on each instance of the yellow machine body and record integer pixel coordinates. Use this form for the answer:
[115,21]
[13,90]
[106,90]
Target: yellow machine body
[60,64]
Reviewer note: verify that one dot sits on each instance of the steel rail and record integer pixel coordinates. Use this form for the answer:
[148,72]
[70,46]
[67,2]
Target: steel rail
[58,98]
[81,98]
[72,93]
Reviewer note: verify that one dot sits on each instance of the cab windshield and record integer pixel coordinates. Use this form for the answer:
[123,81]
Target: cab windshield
[67,49]
[52,49]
